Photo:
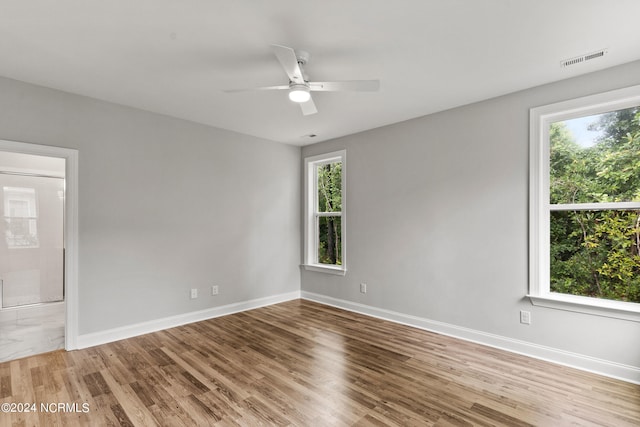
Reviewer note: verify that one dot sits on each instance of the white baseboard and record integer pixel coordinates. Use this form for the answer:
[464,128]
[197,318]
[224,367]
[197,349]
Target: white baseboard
[103,337]
[574,360]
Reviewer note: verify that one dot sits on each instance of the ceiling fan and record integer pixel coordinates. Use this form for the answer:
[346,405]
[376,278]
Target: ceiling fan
[300,87]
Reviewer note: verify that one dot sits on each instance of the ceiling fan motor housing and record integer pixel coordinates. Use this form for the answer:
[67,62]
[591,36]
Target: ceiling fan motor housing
[302,57]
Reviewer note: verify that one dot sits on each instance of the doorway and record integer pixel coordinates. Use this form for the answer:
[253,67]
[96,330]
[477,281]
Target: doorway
[31,254]
[37,249]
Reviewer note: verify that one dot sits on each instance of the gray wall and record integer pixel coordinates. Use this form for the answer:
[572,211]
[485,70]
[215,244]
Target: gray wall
[437,222]
[166,205]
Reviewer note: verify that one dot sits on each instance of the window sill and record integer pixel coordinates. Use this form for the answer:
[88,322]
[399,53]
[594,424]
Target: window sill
[339,271]
[598,307]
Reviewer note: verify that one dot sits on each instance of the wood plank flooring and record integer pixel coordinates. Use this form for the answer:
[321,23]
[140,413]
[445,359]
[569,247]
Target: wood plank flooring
[305,364]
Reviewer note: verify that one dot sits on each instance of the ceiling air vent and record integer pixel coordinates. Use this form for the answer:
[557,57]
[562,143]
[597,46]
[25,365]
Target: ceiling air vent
[583,58]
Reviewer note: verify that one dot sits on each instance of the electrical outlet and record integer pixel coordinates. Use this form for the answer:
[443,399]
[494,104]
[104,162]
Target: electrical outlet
[194,293]
[525,317]
[214,290]
[363,288]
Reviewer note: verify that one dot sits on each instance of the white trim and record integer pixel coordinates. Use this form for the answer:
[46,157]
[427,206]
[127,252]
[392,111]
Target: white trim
[70,226]
[322,268]
[328,214]
[597,307]
[116,334]
[566,358]
[310,214]
[590,105]
[540,119]
[594,206]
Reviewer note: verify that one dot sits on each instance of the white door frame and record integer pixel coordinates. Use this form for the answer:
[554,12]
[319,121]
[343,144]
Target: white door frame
[70,228]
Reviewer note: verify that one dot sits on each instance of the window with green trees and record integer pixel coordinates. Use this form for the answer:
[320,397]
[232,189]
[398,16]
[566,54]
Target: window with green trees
[329,213]
[324,246]
[588,197]
[594,233]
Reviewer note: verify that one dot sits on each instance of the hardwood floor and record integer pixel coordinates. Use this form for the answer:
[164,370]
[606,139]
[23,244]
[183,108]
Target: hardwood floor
[305,364]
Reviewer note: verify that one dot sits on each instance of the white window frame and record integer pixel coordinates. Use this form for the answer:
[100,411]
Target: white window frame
[539,203]
[311,215]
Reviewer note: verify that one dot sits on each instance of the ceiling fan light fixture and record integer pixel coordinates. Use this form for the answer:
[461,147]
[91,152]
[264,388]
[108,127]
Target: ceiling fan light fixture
[299,93]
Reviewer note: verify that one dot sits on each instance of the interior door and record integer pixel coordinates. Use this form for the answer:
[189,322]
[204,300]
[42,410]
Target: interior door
[31,239]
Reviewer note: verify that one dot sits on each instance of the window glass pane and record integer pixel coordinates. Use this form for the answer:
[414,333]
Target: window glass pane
[596,159]
[330,240]
[330,187]
[596,254]
[20,216]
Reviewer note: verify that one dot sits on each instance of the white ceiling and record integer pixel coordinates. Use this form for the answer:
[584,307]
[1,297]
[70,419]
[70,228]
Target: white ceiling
[176,57]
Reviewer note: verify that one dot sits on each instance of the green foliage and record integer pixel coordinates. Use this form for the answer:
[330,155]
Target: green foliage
[330,187]
[597,253]
[330,200]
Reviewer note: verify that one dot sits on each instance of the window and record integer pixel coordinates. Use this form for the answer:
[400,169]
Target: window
[20,216]
[585,204]
[325,213]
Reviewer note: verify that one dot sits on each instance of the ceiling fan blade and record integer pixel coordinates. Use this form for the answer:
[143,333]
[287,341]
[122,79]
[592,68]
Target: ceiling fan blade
[251,89]
[308,107]
[289,62]
[347,85]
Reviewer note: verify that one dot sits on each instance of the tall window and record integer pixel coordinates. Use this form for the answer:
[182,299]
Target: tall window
[325,212]
[585,204]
